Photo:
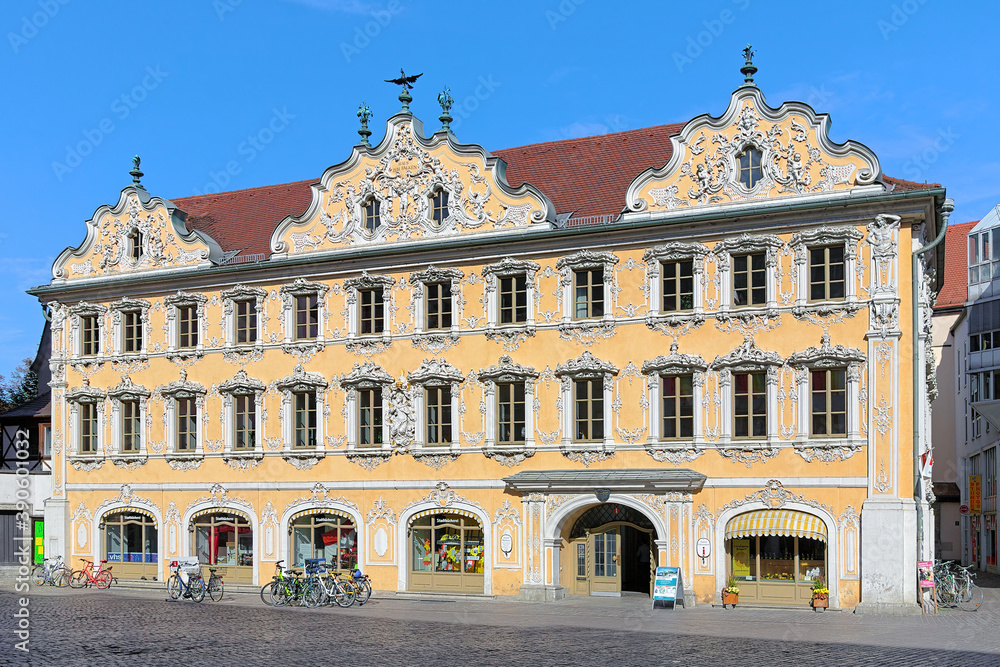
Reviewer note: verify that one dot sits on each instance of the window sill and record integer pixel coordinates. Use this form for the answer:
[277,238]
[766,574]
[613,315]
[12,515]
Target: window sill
[303,459]
[86,462]
[184,460]
[828,450]
[130,460]
[674,451]
[435,340]
[509,455]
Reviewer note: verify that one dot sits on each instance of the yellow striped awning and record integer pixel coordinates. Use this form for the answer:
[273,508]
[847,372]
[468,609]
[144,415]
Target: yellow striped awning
[222,510]
[111,514]
[777,522]
[443,510]
[322,510]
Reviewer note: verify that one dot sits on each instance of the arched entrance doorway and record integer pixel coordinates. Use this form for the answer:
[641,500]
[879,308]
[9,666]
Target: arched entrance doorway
[612,550]
[324,533]
[447,552]
[776,555]
[130,539]
[224,539]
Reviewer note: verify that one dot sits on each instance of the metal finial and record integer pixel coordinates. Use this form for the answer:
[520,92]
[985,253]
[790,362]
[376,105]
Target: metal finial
[748,69]
[364,115]
[135,173]
[406,82]
[445,100]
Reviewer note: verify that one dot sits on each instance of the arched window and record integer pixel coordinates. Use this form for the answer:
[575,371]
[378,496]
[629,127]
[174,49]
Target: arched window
[135,244]
[750,168]
[130,539]
[439,206]
[225,540]
[446,552]
[327,535]
[372,218]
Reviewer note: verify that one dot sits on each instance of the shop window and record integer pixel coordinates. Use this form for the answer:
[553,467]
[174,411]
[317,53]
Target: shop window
[246,321]
[224,539]
[329,536]
[589,415]
[750,171]
[131,426]
[371,314]
[827,273]
[90,335]
[306,316]
[304,435]
[678,285]
[370,417]
[677,401]
[750,280]
[130,538]
[829,402]
[589,293]
[131,331]
[439,206]
[447,544]
[438,305]
[510,413]
[777,558]
[438,415]
[749,405]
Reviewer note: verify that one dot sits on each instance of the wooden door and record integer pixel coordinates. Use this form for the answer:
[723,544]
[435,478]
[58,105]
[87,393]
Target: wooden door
[606,572]
[580,566]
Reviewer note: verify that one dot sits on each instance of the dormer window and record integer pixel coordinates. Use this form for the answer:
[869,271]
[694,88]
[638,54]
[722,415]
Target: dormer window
[439,206]
[372,216]
[750,172]
[135,245]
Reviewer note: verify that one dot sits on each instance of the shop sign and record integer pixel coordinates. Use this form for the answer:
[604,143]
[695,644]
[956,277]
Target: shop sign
[975,494]
[132,517]
[704,547]
[668,589]
[741,558]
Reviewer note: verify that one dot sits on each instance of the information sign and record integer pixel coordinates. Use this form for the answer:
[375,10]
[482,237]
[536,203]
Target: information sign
[741,558]
[975,494]
[668,588]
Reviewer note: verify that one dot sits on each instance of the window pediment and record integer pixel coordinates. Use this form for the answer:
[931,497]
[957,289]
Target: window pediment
[434,274]
[183,388]
[185,299]
[508,266]
[435,372]
[745,244]
[241,292]
[127,391]
[825,235]
[747,357]
[83,309]
[242,385]
[300,381]
[129,304]
[676,250]
[586,259]
[586,366]
[674,363]
[369,281]
[303,287]
[85,394]
[507,370]
[827,356]
[366,375]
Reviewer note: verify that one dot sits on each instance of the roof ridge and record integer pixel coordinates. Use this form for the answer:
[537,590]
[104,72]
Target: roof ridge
[207,195]
[592,136]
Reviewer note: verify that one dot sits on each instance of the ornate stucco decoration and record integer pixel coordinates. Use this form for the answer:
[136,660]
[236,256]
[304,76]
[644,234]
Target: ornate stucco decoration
[510,336]
[509,266]
[182,388]
[435,372]
[155,225]
[126,497]
[127,391]
[586,366]
[401,175]
[219,497]
[825,235]
[320,497]
[400,419]
[437,340]
[85,393]
[587,331]
[748,357]
[242,385]
[367,281]
[507,370]
[442,496]
[369,460]
[773,496]
[792,142]
[826,452]
[302,381]
[828,356]
[670,453]
[588,457]
[367,375]
[675,363]
[769,244]
[748,454]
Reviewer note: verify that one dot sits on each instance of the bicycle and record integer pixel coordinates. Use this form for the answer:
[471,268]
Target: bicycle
[216,586]
[194,588]
[955,587]
[87,576]
[282,589]
[52,572]
[363,584]
[970,596]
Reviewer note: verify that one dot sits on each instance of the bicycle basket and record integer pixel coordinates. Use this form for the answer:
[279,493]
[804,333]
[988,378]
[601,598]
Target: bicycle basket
[315,565]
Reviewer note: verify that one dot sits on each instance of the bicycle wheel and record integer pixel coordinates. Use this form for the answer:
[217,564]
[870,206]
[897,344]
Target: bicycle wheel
[973,600]
[198,589]
[281,593]
[364,588]
[347,594]
[174,587]
[265,594]
[215,588]
[38,575]
[103,580]
[60,578]
[312,597]
[78,579]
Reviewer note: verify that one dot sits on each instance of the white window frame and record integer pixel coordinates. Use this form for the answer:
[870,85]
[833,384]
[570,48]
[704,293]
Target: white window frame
[242,385]
[366,376]
[509,267]
[586,260]
[230,298]
[353,288]
[802,242]
[674,364]
[303,287]
[77,313]
[748,358]
[118,310]
[126,391]
[302,382]
[89,395]
[173,304]
[828,356]
[435,373]
[419,280]
[586,367]
[182,389]
[506,371]
[747,244]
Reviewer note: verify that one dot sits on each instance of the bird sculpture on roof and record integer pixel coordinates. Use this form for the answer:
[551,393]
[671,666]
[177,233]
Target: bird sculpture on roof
[406,82]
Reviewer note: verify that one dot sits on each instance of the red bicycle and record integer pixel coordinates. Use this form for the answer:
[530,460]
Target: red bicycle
[87,576]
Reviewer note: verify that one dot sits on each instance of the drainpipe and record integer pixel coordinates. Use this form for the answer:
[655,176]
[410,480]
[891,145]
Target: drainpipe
[945,212]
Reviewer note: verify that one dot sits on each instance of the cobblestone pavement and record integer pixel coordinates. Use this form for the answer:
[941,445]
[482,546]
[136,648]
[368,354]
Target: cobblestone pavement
[140,627]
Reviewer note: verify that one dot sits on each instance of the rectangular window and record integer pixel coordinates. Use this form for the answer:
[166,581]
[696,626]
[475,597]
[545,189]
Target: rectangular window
[47,442]
[187,326]
[88,428]
[306,316]
[132,331]
[589,297]
[678,407]
[246,322]
[187,424]
[371,316]
[438,416]
[305,419]
[829,402]
[439,306]
[990,472]
[513,300]
[589,400]
[678,285]
[827,273]
[510,414]
[749,405]
[750,280]
[90,336]
[131,426]
[369,417]
[245,426]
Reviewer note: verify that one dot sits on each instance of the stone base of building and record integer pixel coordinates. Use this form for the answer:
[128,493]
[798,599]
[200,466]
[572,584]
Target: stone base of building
[888,609]
[540,593]
[888,557]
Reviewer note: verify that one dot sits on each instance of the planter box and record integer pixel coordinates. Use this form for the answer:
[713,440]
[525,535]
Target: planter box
[820,602]
[730,599]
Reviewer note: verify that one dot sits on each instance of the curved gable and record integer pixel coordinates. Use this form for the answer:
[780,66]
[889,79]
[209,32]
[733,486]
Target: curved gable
[401,174]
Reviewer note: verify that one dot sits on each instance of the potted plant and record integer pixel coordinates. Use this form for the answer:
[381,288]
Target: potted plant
[731,593]
[820,594]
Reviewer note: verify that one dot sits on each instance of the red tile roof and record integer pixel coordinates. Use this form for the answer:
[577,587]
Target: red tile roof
[586,176]
[902,185]
[956,273]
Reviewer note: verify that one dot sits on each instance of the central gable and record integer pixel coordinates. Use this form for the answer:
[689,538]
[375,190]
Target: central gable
[750,153]
[401,176]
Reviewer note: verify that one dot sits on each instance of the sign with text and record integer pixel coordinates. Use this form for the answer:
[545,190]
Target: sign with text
[975,494]
[741,558]
[667,587]
[925,572]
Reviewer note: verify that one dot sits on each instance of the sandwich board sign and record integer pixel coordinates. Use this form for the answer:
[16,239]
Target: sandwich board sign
[668,589]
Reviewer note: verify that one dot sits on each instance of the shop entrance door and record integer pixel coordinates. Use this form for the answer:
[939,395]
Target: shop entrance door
[606,573]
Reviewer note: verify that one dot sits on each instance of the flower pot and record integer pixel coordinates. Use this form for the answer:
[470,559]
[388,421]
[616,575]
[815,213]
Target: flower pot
[730,599]
[820,602]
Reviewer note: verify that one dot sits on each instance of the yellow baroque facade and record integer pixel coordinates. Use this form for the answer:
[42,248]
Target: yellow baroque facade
[460,387]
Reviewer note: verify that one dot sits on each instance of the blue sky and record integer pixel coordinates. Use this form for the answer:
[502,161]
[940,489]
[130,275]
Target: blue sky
[186,83]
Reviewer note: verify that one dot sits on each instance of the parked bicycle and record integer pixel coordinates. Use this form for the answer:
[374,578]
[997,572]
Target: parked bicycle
[955,587]
[216,586]
[287,586]
[87,576]
[186,580]
[52,572]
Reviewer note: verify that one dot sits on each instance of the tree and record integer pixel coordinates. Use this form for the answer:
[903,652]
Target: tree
[19,387]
